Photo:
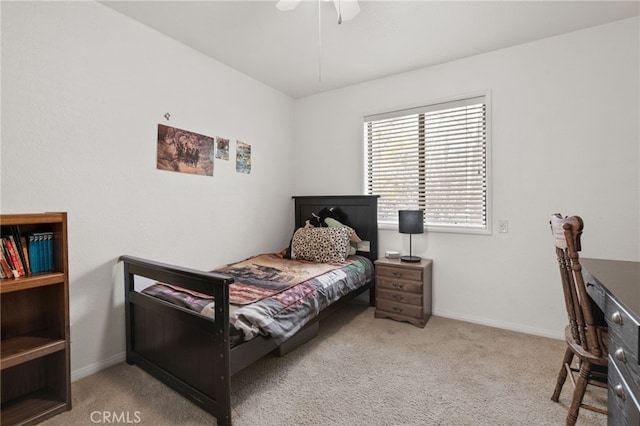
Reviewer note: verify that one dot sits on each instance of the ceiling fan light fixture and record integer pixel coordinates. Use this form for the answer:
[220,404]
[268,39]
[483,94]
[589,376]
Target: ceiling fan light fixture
[287,5]
[346,9]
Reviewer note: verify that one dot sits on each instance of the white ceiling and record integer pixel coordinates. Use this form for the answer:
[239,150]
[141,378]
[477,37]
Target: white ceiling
[286,50]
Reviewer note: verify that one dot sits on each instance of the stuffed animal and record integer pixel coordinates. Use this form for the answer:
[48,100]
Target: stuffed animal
[314,222]
[317,220]
[333,213]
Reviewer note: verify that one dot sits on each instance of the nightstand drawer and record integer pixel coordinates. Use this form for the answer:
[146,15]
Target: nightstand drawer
[399,308]
[399,285]
[400,296]
[397,273]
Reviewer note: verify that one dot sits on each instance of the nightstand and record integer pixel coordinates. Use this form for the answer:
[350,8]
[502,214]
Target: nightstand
[403,290]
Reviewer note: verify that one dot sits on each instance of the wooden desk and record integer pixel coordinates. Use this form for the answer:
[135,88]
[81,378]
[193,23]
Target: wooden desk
[615,287]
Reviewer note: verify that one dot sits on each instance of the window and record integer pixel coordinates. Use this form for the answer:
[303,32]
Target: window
[432,158]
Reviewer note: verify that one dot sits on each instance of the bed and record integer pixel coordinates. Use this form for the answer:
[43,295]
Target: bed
[196,352]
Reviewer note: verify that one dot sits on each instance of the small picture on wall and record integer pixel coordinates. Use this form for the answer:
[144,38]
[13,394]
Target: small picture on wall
[184,151]
[243,157]
[222,148]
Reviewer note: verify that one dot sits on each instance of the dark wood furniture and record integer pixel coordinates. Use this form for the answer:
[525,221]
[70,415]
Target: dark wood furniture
[192,353]
[615,287]
[586,333]
[403,290]
[35,348]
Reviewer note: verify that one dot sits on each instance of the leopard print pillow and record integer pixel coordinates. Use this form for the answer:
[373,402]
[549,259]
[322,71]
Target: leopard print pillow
[324,245]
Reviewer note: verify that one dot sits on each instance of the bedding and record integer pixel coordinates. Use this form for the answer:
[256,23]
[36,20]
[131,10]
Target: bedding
[268,274]
[288,307]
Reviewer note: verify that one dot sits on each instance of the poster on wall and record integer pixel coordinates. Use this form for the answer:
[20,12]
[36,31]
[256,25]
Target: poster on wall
[243,157]
[184,151]
[222,148]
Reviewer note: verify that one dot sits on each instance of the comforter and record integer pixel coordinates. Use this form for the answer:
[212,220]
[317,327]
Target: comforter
[283,314]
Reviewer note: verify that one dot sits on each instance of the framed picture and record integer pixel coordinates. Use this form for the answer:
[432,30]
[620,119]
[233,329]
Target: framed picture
[243,157]
[222,148]
[184,151]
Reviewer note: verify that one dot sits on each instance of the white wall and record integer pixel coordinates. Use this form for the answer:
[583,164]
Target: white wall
[565,138]
[84,89]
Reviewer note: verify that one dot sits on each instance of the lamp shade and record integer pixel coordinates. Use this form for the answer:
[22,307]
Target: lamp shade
[410,221]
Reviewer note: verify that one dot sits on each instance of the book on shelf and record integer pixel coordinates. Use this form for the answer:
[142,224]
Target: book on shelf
[17,242]
[31,248]
[4,265]
[22,255]
[25,254]
[13,251]
[40,249]
[11,255]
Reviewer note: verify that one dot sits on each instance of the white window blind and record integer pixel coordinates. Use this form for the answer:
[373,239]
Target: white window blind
[432,158]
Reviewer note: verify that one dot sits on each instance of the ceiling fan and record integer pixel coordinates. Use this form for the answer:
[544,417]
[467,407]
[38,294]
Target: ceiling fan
[347,9]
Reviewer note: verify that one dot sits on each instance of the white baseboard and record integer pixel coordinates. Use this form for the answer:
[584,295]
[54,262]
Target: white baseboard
[501,324]
[94,368]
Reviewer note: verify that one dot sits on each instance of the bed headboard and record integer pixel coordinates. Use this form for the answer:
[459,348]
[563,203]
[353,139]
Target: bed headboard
[359,212]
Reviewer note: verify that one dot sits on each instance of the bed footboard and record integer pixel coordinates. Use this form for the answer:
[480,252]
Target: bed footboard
[186,351]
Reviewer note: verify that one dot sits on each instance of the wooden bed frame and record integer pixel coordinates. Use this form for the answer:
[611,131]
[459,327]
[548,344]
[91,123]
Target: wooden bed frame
[191,353]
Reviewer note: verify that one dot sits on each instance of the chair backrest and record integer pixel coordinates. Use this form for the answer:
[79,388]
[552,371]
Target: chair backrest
[567,232]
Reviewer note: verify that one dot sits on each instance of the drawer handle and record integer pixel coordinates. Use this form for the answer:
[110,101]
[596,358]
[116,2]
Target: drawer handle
[397,285]
[619,391]
[395,308]
[620,355]
[398,297]
[397,274]
[616,317]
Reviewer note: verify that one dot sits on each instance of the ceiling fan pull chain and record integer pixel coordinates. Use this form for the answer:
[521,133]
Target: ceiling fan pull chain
[339,12]
[319,42]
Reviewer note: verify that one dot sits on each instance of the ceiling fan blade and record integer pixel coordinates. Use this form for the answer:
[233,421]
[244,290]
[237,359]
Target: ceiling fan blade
[286,5]
[348,9]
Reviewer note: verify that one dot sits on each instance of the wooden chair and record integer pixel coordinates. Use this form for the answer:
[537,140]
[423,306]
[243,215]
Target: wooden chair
[586,334]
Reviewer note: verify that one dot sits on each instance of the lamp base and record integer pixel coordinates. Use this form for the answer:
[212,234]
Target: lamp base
[412,259]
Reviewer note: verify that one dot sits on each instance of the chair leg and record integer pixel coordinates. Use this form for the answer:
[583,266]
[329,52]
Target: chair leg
[562,374]
[578,393]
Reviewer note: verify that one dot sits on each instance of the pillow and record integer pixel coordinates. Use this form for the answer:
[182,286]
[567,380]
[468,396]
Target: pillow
[332,223]
[323,245]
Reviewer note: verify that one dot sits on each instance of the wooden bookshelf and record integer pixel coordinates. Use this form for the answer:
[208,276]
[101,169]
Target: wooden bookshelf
[35,346]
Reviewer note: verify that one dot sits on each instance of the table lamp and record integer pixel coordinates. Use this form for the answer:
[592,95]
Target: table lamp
[410,222]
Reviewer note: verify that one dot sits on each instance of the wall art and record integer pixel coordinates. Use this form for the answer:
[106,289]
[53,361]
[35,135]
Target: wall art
[243,157]
[184,151]
[222,148]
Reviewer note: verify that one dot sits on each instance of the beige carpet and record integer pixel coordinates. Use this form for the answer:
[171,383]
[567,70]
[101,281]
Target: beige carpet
[361,371]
